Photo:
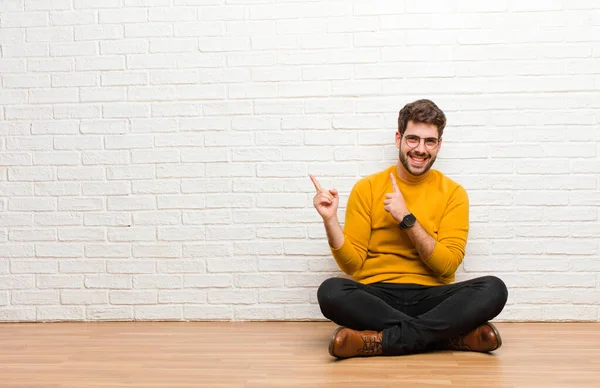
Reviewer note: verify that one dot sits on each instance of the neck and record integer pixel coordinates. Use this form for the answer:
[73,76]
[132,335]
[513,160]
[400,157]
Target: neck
[407,176]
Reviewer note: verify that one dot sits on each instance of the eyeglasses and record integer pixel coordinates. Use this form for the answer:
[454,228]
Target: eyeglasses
[413,141]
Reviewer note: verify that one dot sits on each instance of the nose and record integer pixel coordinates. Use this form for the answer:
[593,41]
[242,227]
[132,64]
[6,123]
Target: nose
[421,147]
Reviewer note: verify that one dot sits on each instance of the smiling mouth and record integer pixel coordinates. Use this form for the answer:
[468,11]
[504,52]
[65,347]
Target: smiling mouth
[418,161]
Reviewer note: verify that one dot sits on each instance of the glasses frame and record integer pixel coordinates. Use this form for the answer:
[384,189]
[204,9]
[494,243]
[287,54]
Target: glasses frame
[437,139]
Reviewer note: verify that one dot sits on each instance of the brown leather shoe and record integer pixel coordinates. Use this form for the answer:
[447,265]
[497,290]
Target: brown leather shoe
[347,343]
[484,338]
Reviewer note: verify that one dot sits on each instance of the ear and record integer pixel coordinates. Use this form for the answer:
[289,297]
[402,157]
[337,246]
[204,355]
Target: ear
[439,144]
[398,139]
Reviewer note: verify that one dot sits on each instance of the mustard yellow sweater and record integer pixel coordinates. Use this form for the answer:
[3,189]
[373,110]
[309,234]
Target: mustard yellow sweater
[376,250]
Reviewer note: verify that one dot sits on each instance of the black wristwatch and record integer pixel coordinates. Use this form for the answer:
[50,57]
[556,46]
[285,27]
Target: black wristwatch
[408,221]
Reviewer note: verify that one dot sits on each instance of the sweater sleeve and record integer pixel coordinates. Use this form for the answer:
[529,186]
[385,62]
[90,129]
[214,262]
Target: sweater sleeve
[357,229]
[451,240]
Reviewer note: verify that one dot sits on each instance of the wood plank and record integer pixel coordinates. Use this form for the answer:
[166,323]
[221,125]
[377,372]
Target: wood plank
[280,354]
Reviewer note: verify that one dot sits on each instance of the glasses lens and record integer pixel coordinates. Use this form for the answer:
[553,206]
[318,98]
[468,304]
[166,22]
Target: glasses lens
[431,143]
[412,141]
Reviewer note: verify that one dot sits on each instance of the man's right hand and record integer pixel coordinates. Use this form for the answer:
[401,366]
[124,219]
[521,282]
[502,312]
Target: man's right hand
[325,201]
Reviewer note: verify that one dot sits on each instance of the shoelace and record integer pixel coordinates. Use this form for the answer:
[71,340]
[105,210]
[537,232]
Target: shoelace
[457,343]
[370,345]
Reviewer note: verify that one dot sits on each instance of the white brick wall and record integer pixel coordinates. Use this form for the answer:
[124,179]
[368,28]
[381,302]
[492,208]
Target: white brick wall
[154,153]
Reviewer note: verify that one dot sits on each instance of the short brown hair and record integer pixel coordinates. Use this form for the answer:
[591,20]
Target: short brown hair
[422,111]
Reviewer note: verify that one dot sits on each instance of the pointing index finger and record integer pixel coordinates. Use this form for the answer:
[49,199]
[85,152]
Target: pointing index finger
[394,185]
[315,182]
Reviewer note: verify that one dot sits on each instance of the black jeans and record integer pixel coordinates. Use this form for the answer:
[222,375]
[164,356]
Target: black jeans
[413,318]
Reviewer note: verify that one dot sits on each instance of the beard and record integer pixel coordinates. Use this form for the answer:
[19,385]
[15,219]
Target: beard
[416,170]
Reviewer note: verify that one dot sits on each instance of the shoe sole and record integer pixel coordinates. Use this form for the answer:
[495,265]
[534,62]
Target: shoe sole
[331,342]
[497,333]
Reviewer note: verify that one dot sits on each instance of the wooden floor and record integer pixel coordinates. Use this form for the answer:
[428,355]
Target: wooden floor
[275,354]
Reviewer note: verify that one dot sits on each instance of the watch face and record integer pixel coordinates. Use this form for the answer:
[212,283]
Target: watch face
[409,220]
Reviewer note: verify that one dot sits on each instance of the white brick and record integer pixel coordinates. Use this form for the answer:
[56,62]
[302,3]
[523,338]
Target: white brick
[131,203]
[130,266]
[125,110]
[123,141]
[72,18]
[19,314]
[157,250]
[109,281]
[279,264]
[258,281]
[122,16]
[57,219]
[223,138]
[31,174]
[257,248]
[151,61]
[32,234]
[60,313]
[181,202]
[130,234]
[175,109]
[229,44]
[229,201]
[181,266]
[80,204]
[59,249]
[133,297]
[35,297]
[47,5]
[72,49]
[230,233]
[59,281]
[15,65]
[229,265]
[155,156]
[185,233]
[208,216]
[82,266]
[163,186]
[91,32]
[570,313]
[124,46]
[260,313]
[107,250]
[182,296]
[147,30]
[81,234]
[15,159]
[105,157]
[209,313]
[15,219]
[62,127]
[49,34]
[157,218]
[124,78]
[157,281]
[24,50]
[107,219]
[256,185]
[104,127]
[180,171]
[79,111]
[232,297]
[28,113]
[23,19]
[13,282]
[159,313]
[130,172]
[109,313]
[100,63]
[26,81]
[80,173]
[207,281]
[172,45]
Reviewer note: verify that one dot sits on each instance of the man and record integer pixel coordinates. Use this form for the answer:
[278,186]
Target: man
[404,237]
